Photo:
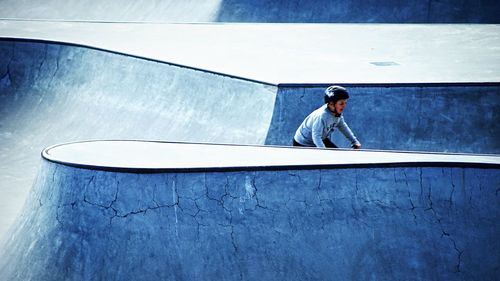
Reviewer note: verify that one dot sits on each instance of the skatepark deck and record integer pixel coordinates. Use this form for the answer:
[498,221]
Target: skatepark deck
[141,156]
[294,54]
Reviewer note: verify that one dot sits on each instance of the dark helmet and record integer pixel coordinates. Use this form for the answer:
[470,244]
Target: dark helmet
[335,93]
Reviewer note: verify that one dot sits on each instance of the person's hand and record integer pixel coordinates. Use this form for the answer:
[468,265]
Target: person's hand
[356,146]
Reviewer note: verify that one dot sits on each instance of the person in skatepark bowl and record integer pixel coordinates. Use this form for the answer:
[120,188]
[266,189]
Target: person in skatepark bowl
[316,129]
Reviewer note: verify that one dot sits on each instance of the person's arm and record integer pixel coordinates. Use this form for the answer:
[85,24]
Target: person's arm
[346,131]
[317,131]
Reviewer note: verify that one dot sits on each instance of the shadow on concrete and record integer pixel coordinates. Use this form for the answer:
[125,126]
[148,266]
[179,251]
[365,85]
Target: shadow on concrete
[281,11]
[360,11]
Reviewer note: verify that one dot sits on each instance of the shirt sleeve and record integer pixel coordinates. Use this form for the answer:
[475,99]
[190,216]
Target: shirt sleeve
[317,131]
[346,131]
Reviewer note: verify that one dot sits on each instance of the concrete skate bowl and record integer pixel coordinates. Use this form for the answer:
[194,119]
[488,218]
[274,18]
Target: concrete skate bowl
[126,210]
[293,11]
[55,93]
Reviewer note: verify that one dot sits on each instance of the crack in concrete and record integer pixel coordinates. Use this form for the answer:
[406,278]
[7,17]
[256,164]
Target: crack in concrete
[421,183]
[256,190]
[57,216]
[227,194]
[8,74]
[108,207]
[96,204]
[39,72]
[429,198]
[409,198]
[460,252]
[234,244]
[253,192]
[320,200]
[233,240]
[53,180]
[471,204]
[302,95]
[72,204]
[195,217]
[58,57]
[120,214]
[175,200]
[290,199]
[219,201]
[450,199]
[444,233]
[318,186]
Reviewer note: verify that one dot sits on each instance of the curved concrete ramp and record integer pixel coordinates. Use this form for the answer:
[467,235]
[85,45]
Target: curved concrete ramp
[53,92]
[126,210]
[343,11]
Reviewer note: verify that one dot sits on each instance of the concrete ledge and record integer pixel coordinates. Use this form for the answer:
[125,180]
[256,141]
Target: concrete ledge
[155,156]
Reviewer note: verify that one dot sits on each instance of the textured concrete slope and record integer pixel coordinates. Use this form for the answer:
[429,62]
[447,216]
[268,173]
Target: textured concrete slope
[383,223]
[52,93]
[343,11]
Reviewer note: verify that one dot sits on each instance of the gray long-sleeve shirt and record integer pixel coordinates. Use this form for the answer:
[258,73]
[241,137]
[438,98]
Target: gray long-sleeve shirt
[319,125]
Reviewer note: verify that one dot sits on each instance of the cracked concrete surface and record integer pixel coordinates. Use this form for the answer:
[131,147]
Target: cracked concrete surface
[52,93]
[49,90]
[385,223]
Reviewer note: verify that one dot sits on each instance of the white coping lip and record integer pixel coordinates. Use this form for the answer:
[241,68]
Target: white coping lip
[294,53]
[159,156]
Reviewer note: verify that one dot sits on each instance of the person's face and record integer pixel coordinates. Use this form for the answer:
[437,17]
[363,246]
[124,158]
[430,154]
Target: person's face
[339,106]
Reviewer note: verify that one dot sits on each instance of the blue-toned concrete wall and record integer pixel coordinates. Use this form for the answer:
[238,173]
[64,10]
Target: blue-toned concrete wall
[360,11]
[460,118]
[414,223]
[328,11]
[52,93]
[65,92]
